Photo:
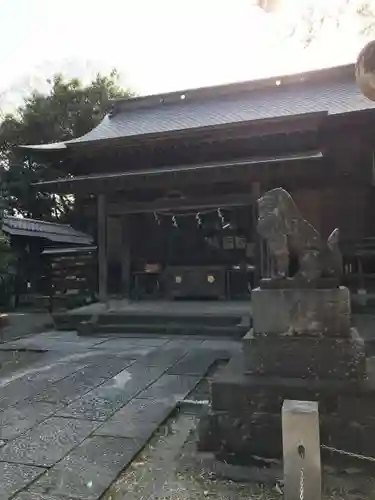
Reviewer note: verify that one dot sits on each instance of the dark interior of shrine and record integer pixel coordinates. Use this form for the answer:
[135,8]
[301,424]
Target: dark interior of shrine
[207,237]
[192,254]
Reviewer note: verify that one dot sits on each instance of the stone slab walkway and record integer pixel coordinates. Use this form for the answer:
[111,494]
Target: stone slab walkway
[75,411]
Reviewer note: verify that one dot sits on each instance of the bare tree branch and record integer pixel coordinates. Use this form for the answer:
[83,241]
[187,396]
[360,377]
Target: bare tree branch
[367,13]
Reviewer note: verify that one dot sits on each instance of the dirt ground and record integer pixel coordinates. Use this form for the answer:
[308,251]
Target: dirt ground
[170,468]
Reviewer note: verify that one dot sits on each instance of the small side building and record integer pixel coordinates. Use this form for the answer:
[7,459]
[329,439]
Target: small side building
[29,239]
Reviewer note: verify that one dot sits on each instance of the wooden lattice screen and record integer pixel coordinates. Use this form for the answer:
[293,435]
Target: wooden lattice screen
[73,278]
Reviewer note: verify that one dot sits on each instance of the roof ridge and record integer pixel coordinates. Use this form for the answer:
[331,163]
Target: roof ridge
[43,229]
[214,91]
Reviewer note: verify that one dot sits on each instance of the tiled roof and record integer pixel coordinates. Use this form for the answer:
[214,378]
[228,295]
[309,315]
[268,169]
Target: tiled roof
[52,231]
[333,91]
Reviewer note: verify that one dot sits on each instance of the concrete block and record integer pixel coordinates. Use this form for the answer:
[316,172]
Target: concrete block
[319,312]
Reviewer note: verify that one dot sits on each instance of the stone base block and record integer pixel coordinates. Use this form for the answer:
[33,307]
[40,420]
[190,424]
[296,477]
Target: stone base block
[305,356]
[236,392]
[245,417]
[318,312]
[243,436]
[238,438]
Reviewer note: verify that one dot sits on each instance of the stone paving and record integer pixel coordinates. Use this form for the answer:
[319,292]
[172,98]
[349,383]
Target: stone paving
[75,411]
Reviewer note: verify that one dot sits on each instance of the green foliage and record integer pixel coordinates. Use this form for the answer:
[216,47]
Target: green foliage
[70,110]
[6,255]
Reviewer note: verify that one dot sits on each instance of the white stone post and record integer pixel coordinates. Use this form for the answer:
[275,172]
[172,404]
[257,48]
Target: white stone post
[301,450]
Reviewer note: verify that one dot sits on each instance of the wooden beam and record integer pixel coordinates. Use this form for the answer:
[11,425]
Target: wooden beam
[232,200]
[102,247]
[126,255]
[173,177]
[160,205]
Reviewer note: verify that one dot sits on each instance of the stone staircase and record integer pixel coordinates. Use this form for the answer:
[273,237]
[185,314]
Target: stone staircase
[233,324]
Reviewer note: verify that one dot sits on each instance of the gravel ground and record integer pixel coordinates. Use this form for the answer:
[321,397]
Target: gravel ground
[169,468]
[166,470]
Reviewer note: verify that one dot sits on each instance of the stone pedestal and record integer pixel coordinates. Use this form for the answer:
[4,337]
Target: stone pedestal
[301,347]
[316,312]
[305,356]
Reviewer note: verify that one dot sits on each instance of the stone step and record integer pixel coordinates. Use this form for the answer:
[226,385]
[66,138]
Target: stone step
[235,331]
[67,321]
[217,325]
[168,318]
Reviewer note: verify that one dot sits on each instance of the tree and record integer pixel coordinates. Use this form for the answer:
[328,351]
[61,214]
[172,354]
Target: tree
[316,19]
[69,110]
[310,19]
[367,12]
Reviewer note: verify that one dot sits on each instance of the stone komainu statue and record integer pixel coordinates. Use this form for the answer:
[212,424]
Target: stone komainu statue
[365,71]
[288,233]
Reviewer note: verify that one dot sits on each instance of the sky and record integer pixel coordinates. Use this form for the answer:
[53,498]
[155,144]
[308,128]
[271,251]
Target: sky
[162,45]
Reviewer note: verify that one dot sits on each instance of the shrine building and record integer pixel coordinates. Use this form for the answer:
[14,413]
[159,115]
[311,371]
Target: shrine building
[167,184]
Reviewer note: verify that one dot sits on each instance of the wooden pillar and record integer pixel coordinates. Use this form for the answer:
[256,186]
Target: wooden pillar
[102,247]
[125,255]
[255,194]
